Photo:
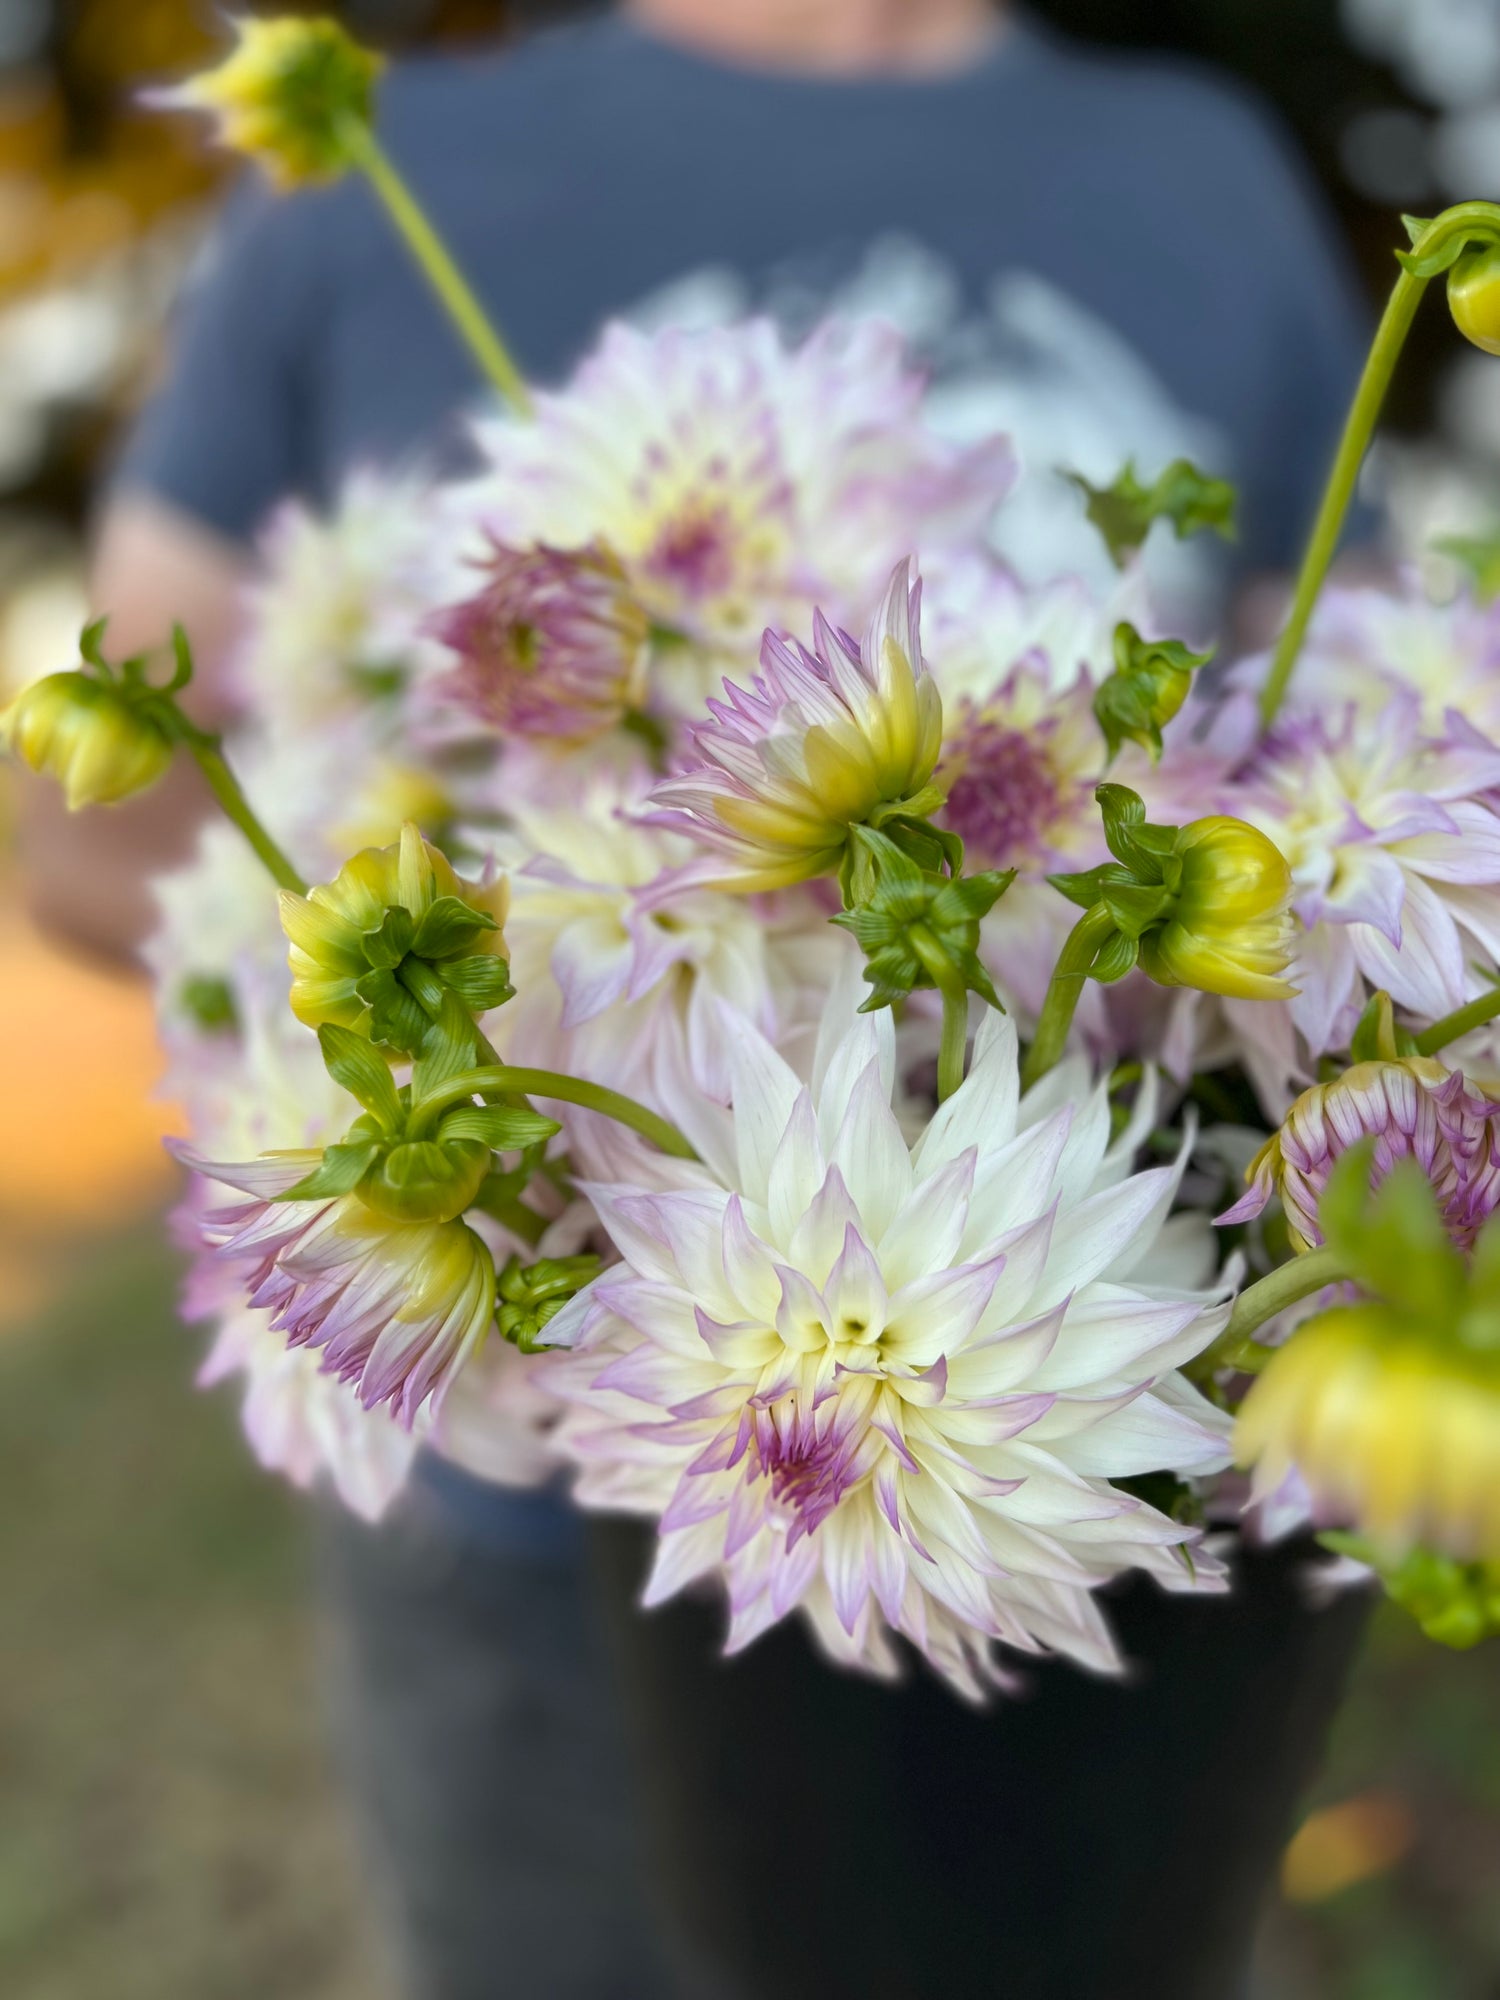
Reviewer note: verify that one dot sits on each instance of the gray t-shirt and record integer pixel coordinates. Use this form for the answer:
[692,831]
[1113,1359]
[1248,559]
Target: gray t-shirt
[1102,254]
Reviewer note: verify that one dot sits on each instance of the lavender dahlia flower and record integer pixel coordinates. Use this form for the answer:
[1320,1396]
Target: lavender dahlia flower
[398,1309]
[1413,1108]
[889,1385]
[818,742]
[553,645]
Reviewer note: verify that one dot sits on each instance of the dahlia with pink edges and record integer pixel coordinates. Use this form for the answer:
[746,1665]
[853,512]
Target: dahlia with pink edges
[739,481]
[888,1384]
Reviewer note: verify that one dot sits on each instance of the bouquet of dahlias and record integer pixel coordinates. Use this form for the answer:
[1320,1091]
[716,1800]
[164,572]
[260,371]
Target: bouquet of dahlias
[904,1081]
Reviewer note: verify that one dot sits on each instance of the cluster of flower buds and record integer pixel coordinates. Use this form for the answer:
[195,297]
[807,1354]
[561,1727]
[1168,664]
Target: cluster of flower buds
[532,1295]
[294,94]
[102,733]
[919,928]
[1207,905]
[380,947]
[1150,682]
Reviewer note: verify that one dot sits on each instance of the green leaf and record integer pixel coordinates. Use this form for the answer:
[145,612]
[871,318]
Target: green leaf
[447,1050]
[390,941]
[480,982]
[356,1067]
[449,927]
[340,1171]
[1124,511]
[504,1128]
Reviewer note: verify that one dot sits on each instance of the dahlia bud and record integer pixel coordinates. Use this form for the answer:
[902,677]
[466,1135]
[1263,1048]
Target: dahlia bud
[1230,930]
[1123,512]
[1150,683]
[553,646]
[378,948]
[290,95]
[531,1295]
[921,930]
[1205,905]
[1389,1408]
[98,742]
[1474,297]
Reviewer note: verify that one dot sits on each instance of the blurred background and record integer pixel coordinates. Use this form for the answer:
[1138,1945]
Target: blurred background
[167,1820]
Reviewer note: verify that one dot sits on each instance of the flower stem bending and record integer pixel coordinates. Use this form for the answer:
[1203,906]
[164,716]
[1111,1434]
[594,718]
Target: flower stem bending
[1262,1301]
[1460,1022]
[1093,930]
[566,1089]
[1364,413]
[207,754]
[443,274]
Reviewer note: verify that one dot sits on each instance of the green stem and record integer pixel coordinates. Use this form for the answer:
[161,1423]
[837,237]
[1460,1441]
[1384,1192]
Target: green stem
[1262,1301]
[514,1215]
[452,288]
[566,1089]
[225,786]
[1364,413]
[1092,931]
[1459,1023]
[955,1042]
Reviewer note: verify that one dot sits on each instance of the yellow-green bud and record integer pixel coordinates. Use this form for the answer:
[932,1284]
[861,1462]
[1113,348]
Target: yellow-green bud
[376,948]
[93,739]
[1474,297]
[1230,931]
[291,95]
[426,1180]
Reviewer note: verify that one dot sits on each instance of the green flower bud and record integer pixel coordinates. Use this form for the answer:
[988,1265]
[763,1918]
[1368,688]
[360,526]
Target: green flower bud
[531,1295]
[90,735]
[1474,297]
[425,1180]
[1150,683]
[288,95]
[921,930]
[379,947]
[1205,905]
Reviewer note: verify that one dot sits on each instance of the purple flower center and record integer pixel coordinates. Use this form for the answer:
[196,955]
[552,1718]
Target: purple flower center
[695,554]
[1008,792]
[809,1457]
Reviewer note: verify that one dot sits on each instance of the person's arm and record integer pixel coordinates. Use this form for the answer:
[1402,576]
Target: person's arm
[221,443]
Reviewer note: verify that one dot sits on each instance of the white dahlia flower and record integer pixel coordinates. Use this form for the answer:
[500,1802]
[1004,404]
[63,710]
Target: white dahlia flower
[889,1384]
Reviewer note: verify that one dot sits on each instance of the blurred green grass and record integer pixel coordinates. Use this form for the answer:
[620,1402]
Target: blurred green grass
[168,1825]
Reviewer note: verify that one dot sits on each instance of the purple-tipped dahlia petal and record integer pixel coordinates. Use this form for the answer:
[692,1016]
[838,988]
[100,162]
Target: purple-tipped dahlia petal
[888,1386]
[1413,1109]
[397,1309]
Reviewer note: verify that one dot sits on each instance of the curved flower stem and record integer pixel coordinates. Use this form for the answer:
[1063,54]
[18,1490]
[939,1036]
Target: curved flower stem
[1459,1023]
[1364,413]
[566,1089]
[207,753]
[1092,931]
[1283,1287]
[452,288]
[955,1042]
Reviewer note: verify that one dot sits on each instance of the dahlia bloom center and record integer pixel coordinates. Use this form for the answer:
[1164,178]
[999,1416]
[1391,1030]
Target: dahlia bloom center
[1009,792]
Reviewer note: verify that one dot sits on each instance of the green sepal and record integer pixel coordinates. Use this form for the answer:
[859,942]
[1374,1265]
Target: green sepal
[425,1180]
[91,647]
[1377,1037]
[390,941]
[395,1018]
[1123,512]
[339,1172]
[448,928]
[1456,1604]
[355,1067]
[503,1128]
[447,1049]
[481,982]
[530,1296]
[1092,885]
[1115,958]
[1135,906]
